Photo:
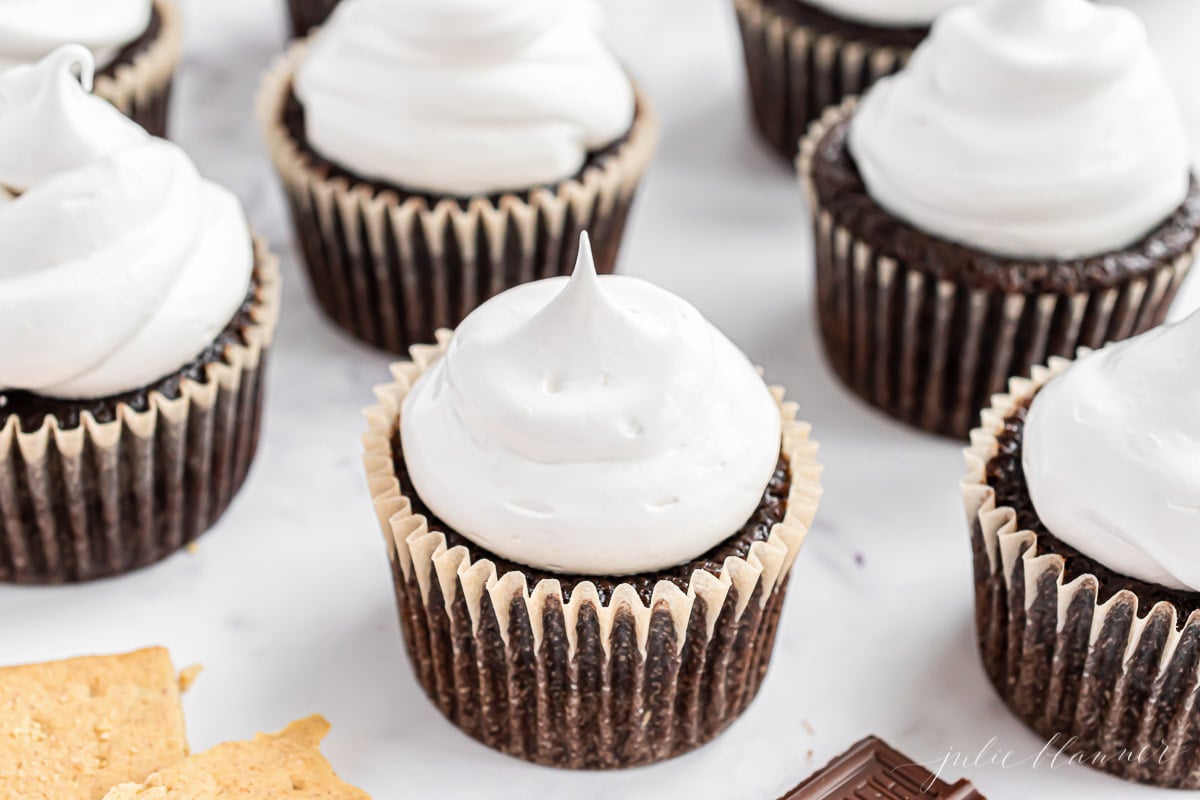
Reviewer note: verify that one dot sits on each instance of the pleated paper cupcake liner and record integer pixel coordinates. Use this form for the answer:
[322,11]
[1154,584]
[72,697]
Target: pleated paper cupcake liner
[579,683]
[141,90]
[795,71]
[930,351]
[104,498]
[308,14]
[393,272]
[1118,687]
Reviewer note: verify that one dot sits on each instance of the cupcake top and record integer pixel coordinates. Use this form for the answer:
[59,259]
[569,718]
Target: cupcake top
[591,425]
[462,97]
[32,29]
[1027,128]
[118,262]
[888,13]
[1110,456]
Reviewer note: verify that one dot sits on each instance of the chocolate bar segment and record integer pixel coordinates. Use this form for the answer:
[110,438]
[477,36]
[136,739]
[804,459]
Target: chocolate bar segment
[872,770]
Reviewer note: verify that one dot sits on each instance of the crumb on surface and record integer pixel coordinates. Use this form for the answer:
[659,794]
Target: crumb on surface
[188,675]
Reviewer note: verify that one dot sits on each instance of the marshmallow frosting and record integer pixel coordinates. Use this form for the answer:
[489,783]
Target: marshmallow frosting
[118,262]
[591,425]
[462,97]
[893,13]
[1027,128]
[1172,25]
[32,29]
[1110,456]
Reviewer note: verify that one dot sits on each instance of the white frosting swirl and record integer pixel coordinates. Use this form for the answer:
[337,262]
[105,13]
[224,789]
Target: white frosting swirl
[32,29]
[888,13]
[1172,25]
[1111,452]
[118,262]
[1027,128]
[591,425]
[462,97]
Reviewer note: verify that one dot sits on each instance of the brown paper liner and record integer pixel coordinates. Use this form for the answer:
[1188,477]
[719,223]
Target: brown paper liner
[1097,678]
[577,683]
[307,14]
[796,71]
[141,89]
[392,273]
[106,498]
[929,351]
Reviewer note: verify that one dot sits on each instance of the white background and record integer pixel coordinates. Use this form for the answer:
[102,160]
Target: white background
[288,602]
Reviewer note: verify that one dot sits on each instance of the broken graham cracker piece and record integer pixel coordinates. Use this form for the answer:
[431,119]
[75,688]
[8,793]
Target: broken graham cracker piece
[71,730]
[278,766]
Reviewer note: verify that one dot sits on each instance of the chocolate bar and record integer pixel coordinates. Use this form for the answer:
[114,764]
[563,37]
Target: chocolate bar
[872,770]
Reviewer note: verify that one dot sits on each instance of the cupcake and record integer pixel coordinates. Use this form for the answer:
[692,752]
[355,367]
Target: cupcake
[305,15]
[1081,494]
[136,45]
[437,152]
[805,55]
[1021,189]
[135,315]
[592,503]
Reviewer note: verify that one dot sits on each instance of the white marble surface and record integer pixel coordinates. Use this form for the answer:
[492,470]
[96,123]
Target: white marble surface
[288,601]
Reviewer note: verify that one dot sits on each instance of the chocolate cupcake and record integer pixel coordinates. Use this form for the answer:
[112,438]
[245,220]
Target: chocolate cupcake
[592,503]
[437,154]
[136,45]
[1081,495]
[805,55]
[135,316]
[305,15]
[973,219]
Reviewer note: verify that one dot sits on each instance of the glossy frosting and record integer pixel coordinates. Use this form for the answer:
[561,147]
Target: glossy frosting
[591,425]
[463,97]
[1112,456]
[32,29]
[118,262]
[893,13]
[1027,128]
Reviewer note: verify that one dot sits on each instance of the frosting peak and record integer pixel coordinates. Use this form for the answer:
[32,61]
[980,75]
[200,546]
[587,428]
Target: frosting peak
[569,364]
[118,262]
[462,97]
[1111,453]
[47,125]
[1027,128]
[594,425]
